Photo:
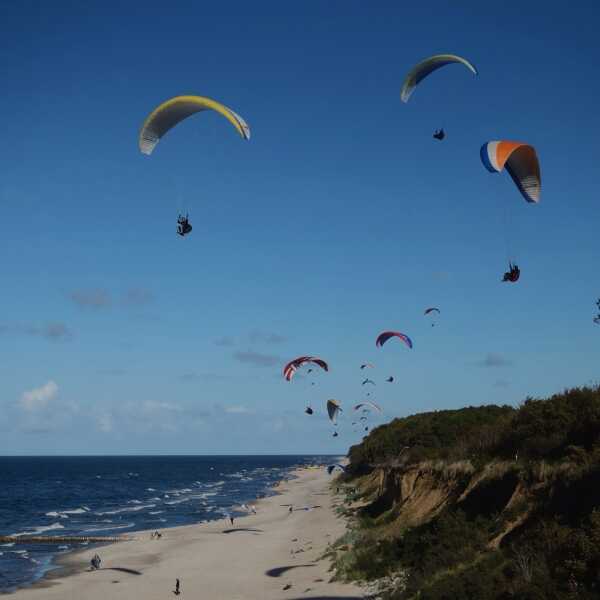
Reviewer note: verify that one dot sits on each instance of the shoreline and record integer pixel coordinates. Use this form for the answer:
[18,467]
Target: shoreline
[276,553]
[63,564]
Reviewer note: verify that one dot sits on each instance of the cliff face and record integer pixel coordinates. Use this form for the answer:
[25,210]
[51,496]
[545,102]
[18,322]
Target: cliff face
[417,493]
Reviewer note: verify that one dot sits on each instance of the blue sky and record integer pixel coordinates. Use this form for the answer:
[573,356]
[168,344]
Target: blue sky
[341,217]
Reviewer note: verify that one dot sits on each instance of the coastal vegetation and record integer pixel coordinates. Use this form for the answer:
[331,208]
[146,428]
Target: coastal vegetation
[488,502]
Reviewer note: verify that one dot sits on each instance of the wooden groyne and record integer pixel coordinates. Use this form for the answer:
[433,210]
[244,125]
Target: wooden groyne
[60,539]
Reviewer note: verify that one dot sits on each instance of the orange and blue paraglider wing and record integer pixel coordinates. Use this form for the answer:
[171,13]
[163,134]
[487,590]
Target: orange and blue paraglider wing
[521,162]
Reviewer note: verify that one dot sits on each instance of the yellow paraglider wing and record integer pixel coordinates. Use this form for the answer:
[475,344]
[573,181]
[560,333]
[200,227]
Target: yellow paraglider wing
[173,111]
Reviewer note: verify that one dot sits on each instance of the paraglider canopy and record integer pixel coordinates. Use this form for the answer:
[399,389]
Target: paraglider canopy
[371,404]
[293,365]
[168,114]
[333,408]
[427,66]
[382,338]
[521,162]
[332,468]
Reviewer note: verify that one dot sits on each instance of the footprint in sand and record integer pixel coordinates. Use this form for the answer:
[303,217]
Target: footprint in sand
[287,586]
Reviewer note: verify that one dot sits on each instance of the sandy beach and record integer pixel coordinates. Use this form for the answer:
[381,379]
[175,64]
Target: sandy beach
[273,554]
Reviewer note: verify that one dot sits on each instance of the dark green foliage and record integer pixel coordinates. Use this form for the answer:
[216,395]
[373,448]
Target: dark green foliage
[447,434]
[550,429]
[565,426]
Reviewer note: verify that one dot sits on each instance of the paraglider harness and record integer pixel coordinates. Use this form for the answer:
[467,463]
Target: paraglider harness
[439,134]
[512,274]
[183,225]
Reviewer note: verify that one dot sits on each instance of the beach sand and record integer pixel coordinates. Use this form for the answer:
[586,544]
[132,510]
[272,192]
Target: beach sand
[254,560]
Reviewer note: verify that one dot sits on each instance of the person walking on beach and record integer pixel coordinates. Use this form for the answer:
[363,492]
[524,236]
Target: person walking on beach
[231,519]
[177,590]
[291,508]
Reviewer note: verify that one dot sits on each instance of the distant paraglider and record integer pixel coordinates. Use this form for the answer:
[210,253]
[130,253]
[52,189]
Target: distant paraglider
[333,409]
[597,317]
[290,368]
[361,405]
[367,366]
[430,311]
[439,134]
[390,379]
[382,338]
[428,66]
[368,381]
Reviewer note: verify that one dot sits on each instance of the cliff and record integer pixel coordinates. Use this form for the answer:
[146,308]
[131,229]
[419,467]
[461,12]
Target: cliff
[483,502]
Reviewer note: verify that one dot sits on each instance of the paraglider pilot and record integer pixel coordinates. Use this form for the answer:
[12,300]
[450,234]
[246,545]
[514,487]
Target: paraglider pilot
[183,225]
[512,274]
[439,134]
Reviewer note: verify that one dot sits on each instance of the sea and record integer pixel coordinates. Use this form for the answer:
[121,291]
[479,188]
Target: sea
[114,495]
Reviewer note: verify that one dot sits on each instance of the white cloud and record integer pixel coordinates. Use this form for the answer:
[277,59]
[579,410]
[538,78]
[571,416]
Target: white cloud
[38,398]
[105,423]
[152,406]
[237,410]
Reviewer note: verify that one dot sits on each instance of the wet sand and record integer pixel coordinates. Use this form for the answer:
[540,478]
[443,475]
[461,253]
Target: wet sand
[273,554]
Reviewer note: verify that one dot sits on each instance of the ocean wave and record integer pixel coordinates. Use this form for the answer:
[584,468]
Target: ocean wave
[127,509]
[108,528]
[216,483]
[178,501]
[156,512]
[10,545]
[38,530]
[64,514]
[134,501]
[150,490]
